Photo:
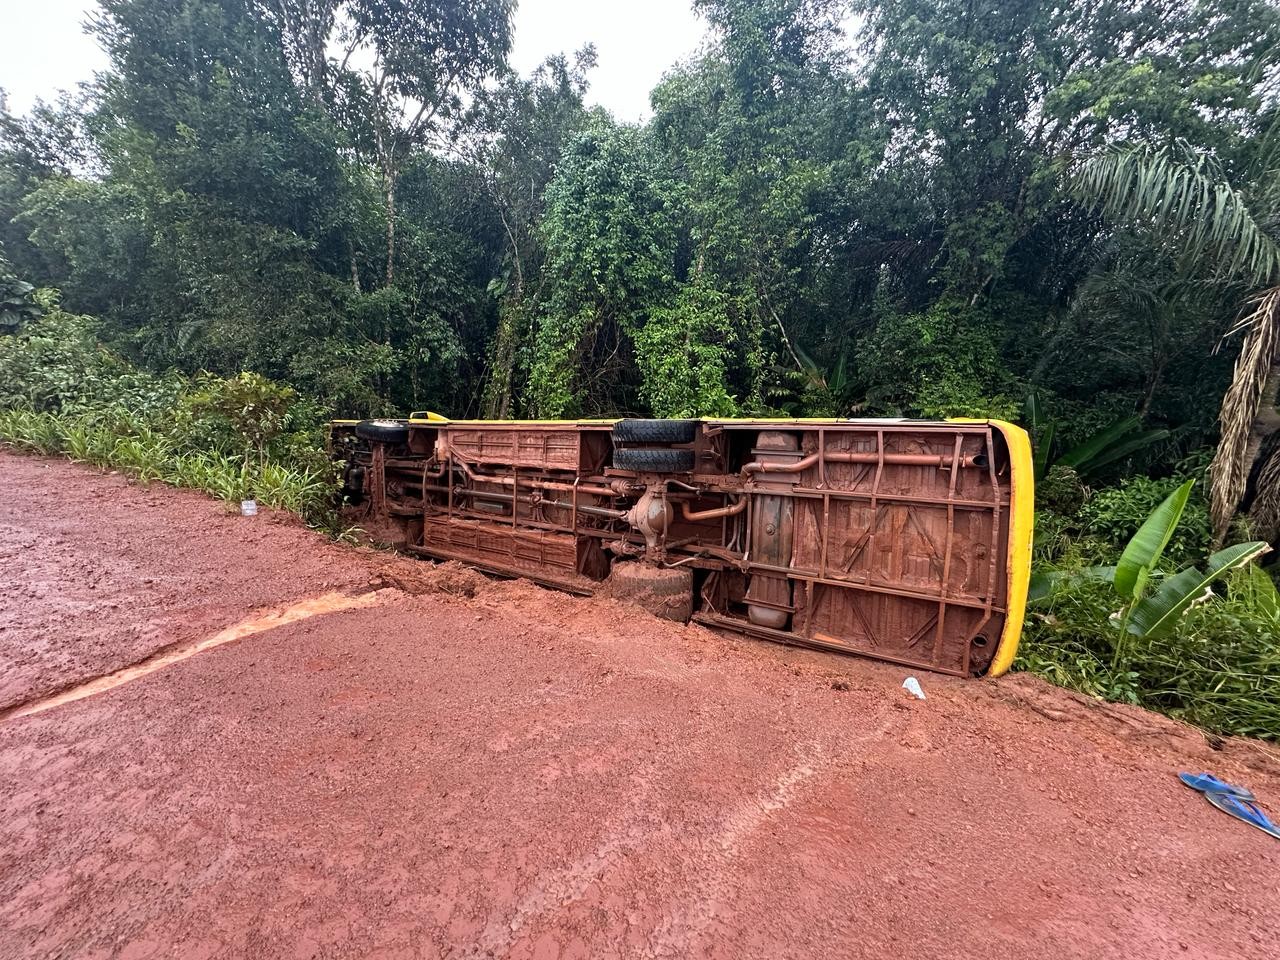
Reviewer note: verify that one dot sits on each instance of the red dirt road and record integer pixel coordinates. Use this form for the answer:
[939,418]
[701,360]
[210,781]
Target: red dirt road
[517,773]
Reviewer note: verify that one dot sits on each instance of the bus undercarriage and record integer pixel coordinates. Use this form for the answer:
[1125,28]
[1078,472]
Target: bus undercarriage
[906,541]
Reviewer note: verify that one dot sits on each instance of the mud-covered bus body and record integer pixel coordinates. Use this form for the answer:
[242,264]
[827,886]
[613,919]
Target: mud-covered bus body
[906,541]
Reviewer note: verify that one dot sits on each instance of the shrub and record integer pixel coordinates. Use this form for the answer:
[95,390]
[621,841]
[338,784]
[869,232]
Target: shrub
[1223,671]
[1136,633]
[1059,542]
[57,365]
[1067,641]
[943,362]
[1114,515]
[685,353]
[61,392]
[1061,491]
[1218,669]
[249,409]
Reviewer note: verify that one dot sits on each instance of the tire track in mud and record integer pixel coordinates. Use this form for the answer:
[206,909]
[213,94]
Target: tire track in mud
[168,656]
[684,927]
[688,926]
[561,889]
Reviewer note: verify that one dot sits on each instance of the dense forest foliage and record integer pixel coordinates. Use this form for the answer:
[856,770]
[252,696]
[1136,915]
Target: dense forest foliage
[1064,214]
[359,198]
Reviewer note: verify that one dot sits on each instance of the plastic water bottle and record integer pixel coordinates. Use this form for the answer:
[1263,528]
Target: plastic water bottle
[248,508]
[912,686]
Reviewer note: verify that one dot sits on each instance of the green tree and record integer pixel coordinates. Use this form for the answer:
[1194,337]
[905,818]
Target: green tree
[685,355]
[512,138]
[990,97]
[610,248]
[1227,236]
[230,221]
[425,56]
[756,133]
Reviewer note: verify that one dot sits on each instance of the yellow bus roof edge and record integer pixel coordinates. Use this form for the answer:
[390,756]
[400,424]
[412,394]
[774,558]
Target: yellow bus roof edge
[1022,521]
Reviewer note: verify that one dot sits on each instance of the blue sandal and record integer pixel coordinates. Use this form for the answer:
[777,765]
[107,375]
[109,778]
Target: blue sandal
[1244,810]
[1207,783]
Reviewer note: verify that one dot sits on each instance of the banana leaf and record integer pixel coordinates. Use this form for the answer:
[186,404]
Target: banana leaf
[1155,615]
[1042,584]
[1044,448]
[1144,550]
[1033,410]
[1123,449]
[1095,445]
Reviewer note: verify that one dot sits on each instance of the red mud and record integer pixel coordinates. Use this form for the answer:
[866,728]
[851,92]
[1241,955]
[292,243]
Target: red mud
[97,573]
[474,769]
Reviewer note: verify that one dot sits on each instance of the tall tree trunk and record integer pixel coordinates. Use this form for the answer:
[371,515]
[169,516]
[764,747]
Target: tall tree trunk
[1153,384]
[496,403]
[389,194]
[1267,420]
[1248,410]
[497,391]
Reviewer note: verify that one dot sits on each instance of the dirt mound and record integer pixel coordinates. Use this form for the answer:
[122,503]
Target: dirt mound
[1142,728]
[419,577]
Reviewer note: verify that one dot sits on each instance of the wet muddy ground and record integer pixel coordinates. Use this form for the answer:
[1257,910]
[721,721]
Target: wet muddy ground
[439,765]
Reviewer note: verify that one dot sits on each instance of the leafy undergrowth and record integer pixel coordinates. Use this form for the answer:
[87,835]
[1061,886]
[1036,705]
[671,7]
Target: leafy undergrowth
[1218,669]
[235,438]
[1211,659]
[139,451]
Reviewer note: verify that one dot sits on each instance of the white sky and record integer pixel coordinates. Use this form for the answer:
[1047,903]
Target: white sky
[43,47]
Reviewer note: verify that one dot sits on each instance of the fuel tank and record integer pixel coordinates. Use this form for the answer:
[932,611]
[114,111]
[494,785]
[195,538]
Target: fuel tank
[772,531]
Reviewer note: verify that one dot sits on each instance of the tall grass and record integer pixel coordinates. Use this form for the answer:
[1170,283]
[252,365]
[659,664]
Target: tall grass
[139,450]
[1219,668]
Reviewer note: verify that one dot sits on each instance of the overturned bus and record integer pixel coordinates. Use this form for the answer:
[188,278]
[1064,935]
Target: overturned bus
[906,541]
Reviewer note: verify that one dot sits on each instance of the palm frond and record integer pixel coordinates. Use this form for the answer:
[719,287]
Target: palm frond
[1229,471]
[1264,512]
[1187,200]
